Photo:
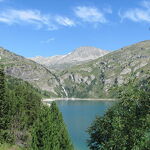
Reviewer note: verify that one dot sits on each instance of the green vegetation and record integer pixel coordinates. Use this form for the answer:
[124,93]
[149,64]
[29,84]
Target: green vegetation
[25,121]
[126,125]
[10,147]
[30,71]
[49,131]
[95,78]
[88,80]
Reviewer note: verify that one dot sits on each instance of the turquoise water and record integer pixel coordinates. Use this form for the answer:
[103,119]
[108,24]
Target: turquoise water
[78,115]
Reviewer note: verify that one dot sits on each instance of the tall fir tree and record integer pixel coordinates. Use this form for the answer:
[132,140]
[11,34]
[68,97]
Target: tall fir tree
[25,121]
[5,109]
[59,129]
[50,131]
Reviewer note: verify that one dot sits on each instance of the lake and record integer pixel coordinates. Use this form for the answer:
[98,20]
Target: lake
[78,115]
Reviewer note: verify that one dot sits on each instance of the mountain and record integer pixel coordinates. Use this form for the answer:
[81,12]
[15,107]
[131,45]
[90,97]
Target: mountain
[95,78]
[91,79]
[30,71]
[78,56]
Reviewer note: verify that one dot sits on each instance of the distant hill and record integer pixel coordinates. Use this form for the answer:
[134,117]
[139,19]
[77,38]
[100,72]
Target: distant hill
[30,71]
[91,79]
[78,56]
[95,78]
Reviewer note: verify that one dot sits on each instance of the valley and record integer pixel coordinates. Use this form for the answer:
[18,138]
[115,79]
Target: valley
[92,79]
[74,75]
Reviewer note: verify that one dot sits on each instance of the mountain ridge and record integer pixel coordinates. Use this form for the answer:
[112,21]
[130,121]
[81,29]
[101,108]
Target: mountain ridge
[78,56]
[30,71]
[87,80]
[95,78]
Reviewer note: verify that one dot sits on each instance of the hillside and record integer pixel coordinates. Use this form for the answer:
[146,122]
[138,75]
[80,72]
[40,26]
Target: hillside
[78,56]
[89,80]
[34,73]
[24,116]
[94,79]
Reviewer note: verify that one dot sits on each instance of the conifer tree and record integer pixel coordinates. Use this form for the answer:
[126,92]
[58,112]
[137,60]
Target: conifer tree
[59,129]
[50,132]
[2,96]
[5,108]
[25,121]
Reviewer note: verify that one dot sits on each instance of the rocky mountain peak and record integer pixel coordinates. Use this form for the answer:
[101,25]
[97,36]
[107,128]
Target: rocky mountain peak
[87,53]
[78,56]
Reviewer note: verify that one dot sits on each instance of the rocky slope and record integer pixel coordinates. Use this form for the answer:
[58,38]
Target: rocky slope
[78,56]
[89,80]
[94,79]
[36,74]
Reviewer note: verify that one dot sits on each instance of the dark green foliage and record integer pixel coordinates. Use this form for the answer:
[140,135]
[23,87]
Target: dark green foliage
[126,125]
[19,104]
[25,121]
[5,109]
[50,132]
[2,95]
[81,90]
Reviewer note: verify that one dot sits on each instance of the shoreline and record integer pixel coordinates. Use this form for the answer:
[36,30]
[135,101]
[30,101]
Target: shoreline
[75,99]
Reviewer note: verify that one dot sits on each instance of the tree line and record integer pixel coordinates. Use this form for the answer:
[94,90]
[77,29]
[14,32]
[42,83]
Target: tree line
[25,121]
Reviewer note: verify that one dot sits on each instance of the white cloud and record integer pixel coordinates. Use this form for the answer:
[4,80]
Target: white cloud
[65,21]
[90,14]
[34,17]
[137,14]
[48,40]
[13,16]
[4,20]
[53,22]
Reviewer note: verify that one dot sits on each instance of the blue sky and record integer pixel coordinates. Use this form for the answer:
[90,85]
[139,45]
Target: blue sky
[51,27]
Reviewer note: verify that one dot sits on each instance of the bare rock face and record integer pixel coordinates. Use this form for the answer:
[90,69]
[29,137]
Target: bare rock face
[84,54]
[120,80]
[86,69]
[142,64]
[95,78]
[126,71]
[47,60]
[88,80]
[27,70]
[78,56]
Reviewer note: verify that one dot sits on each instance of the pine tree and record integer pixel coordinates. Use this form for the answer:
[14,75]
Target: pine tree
[50,132]
[59,129]
[5,108]
[25,121]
